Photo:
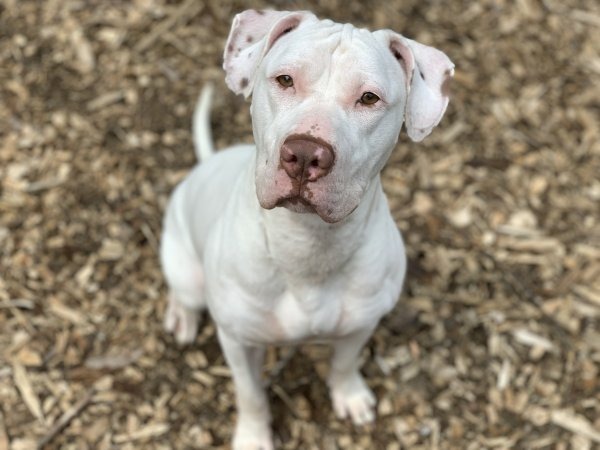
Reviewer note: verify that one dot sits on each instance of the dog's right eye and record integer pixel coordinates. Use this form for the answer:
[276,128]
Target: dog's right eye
[285,81]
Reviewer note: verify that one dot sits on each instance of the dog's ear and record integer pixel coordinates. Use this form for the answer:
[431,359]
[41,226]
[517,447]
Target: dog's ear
[428,72]
[252,34]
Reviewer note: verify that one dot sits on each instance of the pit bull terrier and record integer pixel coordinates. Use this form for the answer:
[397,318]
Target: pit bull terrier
[291,239]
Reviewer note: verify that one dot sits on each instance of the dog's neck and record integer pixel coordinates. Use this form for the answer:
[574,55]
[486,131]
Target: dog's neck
[305,246]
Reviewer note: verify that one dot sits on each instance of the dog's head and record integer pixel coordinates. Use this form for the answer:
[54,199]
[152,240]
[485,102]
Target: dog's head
[328,104]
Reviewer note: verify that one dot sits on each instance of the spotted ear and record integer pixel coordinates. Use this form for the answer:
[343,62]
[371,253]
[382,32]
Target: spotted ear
[252,34]
[428,73]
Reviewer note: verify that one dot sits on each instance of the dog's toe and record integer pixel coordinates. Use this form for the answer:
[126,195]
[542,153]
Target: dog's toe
[355,400]
[186,329]
[181,322]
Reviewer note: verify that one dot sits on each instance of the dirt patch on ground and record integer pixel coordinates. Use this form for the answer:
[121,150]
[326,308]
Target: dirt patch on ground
[495,343]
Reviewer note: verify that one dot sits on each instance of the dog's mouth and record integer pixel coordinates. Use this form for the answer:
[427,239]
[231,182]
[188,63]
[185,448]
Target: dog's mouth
[297,204]
[301,205]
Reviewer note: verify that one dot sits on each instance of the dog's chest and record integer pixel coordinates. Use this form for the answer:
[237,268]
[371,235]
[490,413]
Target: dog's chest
[311,316]
[309,258]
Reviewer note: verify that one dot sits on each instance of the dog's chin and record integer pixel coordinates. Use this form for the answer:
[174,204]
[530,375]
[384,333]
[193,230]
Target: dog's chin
[302,206]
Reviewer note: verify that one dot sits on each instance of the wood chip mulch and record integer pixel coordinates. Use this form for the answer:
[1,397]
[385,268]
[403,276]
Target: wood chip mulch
[496,341]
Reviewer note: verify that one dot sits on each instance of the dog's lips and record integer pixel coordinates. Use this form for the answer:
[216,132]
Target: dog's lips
[299,204]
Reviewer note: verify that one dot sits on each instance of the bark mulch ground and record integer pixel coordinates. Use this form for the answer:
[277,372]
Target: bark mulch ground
[495,343]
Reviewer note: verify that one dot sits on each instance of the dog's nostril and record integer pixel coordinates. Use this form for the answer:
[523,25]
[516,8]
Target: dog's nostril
[314,163]
[294,159]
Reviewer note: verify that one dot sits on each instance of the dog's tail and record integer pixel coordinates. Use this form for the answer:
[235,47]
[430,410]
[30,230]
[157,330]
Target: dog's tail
[201,133]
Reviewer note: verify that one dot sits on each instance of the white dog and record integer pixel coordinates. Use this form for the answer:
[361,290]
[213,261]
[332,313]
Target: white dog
[292,240]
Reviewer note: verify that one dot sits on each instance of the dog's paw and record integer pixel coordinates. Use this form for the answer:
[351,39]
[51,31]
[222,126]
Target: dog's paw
[182,322]
[353,398]
[252,437]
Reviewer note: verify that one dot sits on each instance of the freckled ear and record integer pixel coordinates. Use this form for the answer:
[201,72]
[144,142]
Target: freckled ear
[405,57]
[428,72]
[252,34]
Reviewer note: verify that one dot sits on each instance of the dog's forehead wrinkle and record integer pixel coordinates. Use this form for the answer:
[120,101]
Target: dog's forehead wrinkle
[342,55]
[326,39]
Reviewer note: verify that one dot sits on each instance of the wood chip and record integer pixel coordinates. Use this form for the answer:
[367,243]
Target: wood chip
[586,17]
[28,357]
[533,244]
[4,442]
[105,99]
[575,424]
[220,371]
[591,295]
[65,419]
[84,53]
[29,396]
[149,431]
[526,337]
[504,375]
[17,303]
[113,362]
[64,312]
[187,10]
[203,377]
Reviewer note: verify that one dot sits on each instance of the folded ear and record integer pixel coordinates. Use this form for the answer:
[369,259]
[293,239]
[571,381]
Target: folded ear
[252,34]
[428,73]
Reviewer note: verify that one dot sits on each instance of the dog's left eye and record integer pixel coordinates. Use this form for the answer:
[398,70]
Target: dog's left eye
[368,98]
[285,81]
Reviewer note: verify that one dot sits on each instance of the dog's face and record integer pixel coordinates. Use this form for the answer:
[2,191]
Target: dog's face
[328,104]
[338,87]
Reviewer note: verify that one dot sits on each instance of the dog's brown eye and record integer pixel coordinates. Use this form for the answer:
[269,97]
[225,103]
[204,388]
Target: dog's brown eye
[285,80]
[368,98]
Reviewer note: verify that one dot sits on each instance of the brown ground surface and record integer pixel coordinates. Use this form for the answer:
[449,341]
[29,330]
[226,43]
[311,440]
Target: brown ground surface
[495,343]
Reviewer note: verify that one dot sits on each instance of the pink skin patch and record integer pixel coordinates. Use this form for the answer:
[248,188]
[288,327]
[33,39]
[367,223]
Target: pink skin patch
[317,125]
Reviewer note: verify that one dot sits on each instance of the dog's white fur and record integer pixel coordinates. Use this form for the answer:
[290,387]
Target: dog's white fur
[327,271]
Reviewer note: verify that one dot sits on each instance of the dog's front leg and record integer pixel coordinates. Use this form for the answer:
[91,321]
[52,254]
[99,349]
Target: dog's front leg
[349,393]
[253,430]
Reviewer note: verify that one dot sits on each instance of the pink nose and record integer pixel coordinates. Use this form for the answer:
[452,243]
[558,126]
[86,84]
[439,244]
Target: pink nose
[306,158]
